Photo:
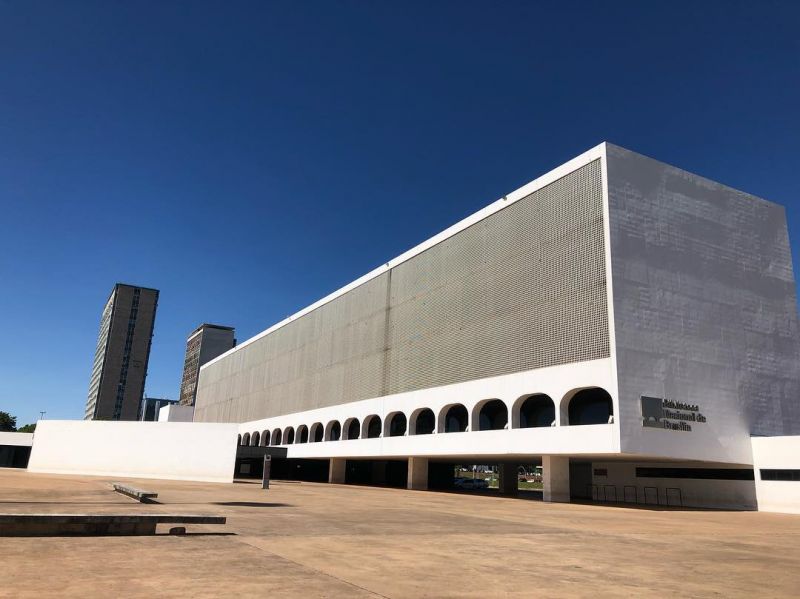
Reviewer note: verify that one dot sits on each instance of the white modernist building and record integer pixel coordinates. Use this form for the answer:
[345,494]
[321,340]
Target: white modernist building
[627,324]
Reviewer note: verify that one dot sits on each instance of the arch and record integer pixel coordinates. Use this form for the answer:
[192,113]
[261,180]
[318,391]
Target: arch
[264,438]
[302,434]
[352,429]
[246,439]
[423,422]
[276,436]
[592,405]
[490,415]
[239,440]
[333,431]
[316,434]
[453,419]
[534,411]
[255,439]
[372,427]
[395,425]
[288,435]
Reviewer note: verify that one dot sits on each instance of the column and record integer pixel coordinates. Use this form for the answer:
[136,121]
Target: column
[509,479]
[336,470]
[555,476]
[418,473]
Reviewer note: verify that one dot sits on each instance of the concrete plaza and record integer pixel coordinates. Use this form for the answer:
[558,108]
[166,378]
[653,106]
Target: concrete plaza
[319,540]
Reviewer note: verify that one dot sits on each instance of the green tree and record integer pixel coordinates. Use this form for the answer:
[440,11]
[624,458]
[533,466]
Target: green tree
[8,423]
[28,428]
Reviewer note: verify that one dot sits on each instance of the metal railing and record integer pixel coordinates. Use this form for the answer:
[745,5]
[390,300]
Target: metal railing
[673,496]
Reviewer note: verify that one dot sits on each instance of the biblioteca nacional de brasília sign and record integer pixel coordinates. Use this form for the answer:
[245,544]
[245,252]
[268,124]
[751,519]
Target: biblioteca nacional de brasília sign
[670,414]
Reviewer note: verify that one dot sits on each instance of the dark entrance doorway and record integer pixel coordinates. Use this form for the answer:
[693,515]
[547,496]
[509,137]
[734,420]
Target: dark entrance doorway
[580,480]
[379,473]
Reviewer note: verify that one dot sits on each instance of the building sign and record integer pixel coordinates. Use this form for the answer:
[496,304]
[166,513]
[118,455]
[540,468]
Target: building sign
[659,412]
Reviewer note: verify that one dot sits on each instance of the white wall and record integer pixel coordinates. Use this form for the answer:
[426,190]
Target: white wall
[713,493]
[170,450]
[704,310]
[176,413]
[556,381]
[780,453]
[18,439]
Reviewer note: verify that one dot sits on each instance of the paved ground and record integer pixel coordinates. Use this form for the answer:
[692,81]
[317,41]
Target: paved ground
[317,540]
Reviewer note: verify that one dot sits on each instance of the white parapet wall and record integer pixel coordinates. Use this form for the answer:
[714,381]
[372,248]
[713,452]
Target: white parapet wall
[168,450]
[776,461]
[176,413]
[16,439]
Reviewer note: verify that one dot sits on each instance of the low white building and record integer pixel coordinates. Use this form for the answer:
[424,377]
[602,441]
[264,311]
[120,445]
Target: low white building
[15,449]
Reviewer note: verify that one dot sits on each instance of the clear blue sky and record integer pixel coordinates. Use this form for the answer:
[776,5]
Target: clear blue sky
[247,158]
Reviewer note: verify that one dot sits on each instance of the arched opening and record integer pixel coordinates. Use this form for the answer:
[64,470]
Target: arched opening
[239,440]
[302,434]
[264,438]
[492,415]
[288,435]
[590,406]
[537,410]
[454,419]
[333,432]
[317,431]
[423,422]
[246,439]
[372,427]
[255,439]
[276,436]
[396,425]
[352,428]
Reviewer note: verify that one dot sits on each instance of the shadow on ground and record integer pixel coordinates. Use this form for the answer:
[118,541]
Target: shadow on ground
[250,504]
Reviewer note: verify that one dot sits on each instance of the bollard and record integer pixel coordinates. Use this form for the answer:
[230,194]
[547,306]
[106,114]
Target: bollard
[265,479]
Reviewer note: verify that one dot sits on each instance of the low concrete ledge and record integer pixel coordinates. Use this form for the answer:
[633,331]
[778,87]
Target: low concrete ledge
[51,525]
[138,494]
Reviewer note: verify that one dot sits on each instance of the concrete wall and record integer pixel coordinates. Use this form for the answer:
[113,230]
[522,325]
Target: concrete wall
[777,453]
[16,439]
[176,413]
[723,494]
[170,450]
[704,309]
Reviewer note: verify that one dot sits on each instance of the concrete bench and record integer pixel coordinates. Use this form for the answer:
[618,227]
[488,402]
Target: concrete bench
[52,525]
[138,494]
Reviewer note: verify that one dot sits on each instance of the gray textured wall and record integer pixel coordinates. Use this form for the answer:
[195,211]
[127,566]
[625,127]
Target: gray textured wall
[704,307]
[523,288]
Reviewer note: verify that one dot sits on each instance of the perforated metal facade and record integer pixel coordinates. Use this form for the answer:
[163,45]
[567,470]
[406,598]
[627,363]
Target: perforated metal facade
[523,288]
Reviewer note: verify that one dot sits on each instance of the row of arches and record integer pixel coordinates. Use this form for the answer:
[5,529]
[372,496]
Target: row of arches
[586,406]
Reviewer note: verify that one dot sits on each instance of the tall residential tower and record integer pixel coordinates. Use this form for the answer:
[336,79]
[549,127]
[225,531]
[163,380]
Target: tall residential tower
[204,344]
[123,351]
